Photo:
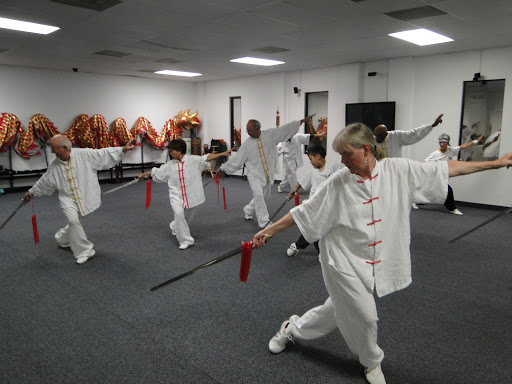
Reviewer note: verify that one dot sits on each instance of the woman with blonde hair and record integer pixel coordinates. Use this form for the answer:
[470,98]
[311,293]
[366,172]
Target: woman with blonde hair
[360,216]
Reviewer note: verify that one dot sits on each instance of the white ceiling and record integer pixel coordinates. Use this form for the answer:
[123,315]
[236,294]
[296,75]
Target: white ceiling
[203,35]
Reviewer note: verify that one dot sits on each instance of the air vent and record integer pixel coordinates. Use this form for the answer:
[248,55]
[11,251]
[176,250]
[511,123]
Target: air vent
[416,13]
[96,5]
[270,49]
[169,61]
[112,53]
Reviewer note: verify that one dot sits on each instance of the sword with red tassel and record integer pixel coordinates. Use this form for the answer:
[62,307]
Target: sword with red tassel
[245,263]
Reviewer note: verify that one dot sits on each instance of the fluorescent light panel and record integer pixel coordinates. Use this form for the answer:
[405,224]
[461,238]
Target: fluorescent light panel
[256,61]
[421,37]
[25,26]
[177,73]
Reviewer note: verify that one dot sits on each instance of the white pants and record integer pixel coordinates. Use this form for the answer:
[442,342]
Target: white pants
[73,234]
[290,178]
[179,226]
[260,193]
[350,308]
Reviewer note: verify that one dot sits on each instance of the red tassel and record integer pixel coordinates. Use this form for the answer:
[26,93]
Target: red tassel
[34,229]
[148,194]
[216,179]
[218,194]
[245,263]
[224,196]
[296,199]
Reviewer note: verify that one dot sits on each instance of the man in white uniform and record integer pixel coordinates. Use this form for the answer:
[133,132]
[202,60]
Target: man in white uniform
[259,154]
[364,236]
[74,174]
[391,143]
[444,153]
[292,157]
[183,176]
[321,172]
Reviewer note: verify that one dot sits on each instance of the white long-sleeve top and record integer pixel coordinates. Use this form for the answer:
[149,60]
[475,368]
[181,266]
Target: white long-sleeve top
[364,226]
[260,155]
[395,140]
[184,179]
[316,177]
[291,150]
[437,155]
[77,180]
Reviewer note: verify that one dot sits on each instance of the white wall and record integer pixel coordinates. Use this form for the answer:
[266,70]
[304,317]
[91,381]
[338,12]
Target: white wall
[422,87]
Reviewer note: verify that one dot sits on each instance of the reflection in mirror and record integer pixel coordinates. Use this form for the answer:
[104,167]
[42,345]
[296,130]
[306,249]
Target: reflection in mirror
[316,103]
[236,121]
[482,109]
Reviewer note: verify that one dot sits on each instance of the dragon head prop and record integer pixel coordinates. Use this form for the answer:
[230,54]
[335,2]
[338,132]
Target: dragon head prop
[186,120]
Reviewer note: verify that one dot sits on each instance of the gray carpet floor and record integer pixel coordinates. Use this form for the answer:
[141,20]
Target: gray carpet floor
[99,322]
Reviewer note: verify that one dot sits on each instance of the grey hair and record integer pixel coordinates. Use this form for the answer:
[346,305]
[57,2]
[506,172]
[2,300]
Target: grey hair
[62,141]
[256,124]
[356,135]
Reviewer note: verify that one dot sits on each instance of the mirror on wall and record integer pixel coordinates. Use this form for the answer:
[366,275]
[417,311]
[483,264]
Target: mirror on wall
[482,110]
[236,121]
[316,103]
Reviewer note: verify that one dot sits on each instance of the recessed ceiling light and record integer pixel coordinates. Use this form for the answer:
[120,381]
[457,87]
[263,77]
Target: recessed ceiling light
[421,37]
[178,73]
[25,26]
[256,61]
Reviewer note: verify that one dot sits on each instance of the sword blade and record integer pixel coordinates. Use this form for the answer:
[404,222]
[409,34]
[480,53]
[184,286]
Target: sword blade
[278,210]
[120,187]
[12,214]
[482,224]
[208,182]
[200,267]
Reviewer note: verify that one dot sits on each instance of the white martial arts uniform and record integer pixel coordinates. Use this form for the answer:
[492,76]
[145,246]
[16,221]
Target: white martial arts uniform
[437,155]
[260,159]
[313,179]
[395,140]
[364,232]
[79,191]
[292,158]
[185,191]
[491,152]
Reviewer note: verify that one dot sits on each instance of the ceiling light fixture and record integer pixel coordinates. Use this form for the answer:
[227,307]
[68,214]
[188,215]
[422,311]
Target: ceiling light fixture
[256,61]
[25,26]
[421,37]
[178,73]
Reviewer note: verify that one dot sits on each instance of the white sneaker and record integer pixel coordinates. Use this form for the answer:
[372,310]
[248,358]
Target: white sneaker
[375,375]
[83,259]
[278,342]
[185,246]
[414,206]
[248,217]
[292,250]
[279,189]
[456,212]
